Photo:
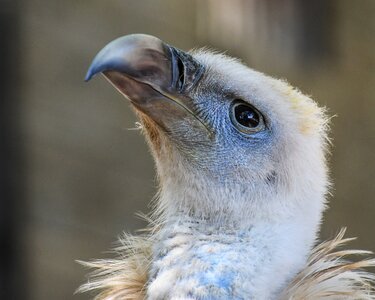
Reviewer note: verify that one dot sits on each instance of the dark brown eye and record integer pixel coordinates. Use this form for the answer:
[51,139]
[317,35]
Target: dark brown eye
[245,117]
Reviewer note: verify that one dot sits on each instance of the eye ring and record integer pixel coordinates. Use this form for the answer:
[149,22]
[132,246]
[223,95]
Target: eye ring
[245,117]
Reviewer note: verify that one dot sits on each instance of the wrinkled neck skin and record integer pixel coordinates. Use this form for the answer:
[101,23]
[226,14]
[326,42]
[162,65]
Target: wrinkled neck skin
[218,242]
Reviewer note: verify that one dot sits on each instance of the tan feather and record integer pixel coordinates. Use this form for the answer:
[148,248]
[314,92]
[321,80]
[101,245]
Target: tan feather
[124,277]
[329,275]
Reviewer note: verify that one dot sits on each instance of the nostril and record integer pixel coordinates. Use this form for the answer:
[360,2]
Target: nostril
[181,74]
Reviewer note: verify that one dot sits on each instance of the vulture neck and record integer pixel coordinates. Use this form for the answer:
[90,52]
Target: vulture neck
[196,257]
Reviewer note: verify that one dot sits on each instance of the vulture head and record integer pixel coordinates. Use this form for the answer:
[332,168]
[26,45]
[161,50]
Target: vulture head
[240,158]
[228,142]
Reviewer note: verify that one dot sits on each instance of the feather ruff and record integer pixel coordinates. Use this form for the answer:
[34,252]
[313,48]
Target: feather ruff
[328,274]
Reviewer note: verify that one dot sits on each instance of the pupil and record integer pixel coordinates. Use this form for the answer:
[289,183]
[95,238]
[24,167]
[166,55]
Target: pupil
[246,116]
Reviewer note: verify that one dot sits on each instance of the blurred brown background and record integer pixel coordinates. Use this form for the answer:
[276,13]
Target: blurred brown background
[73,175]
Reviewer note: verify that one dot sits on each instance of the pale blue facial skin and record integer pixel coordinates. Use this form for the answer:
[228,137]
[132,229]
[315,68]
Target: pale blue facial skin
[228,150]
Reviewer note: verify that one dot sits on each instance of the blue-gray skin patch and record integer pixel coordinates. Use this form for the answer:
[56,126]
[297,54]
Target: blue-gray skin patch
[211,261]
[228,151]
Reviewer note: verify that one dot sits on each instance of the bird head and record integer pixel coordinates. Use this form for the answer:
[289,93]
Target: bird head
[229,142]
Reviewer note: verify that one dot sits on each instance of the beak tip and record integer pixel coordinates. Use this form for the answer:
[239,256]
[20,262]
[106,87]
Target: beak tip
[89,75]
[98,65]
[94,69]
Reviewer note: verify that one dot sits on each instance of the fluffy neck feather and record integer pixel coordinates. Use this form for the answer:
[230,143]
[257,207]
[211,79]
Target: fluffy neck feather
[200,260]
[214,237]
[327,275]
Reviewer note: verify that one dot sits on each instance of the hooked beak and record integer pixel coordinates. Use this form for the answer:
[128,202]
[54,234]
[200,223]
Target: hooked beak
[154,76]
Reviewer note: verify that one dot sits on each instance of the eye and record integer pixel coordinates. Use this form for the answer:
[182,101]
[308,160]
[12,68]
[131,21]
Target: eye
[245,117]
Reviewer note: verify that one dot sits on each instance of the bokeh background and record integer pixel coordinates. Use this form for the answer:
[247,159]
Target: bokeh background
[73,174]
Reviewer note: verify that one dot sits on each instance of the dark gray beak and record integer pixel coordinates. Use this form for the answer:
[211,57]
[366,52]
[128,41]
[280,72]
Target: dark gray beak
[154,76]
